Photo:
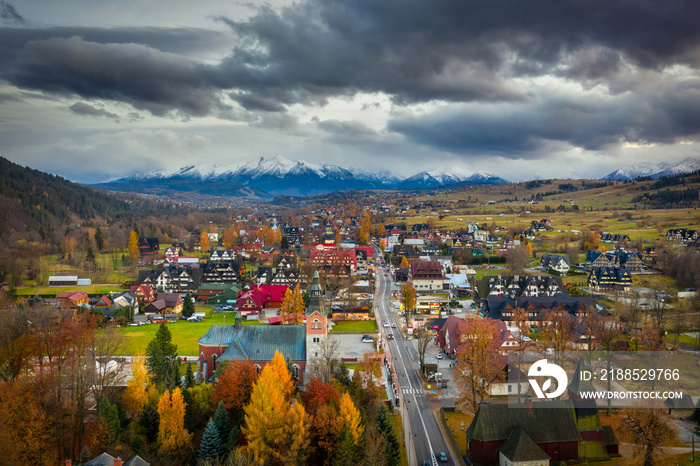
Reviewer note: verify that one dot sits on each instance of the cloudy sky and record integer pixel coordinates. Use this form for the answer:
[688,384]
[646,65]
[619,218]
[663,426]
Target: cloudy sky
[96,90]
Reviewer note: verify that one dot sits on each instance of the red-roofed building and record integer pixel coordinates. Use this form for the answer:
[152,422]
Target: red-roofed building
[369,250]
[426,276]
[71,299]
[143,293]
[272,294]
[325,246]
[250,302]
[323,258]
[104,302]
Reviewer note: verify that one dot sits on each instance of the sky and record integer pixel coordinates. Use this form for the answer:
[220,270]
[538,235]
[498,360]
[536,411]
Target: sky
[96,91]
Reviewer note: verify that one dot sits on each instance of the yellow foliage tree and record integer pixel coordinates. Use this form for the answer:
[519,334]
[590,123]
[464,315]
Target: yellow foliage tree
[337,235]
[297,433]
[351,417]
[172,435]
[278,236]
[134,246]
[204,241]
[381,230]
[136,394]
[528,248]
[363,236]
[279,366]
[292,309]
[404,263]
[265,417]
[229,236]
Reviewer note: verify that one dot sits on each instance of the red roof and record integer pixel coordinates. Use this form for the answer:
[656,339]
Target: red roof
[276,320]
[273,293]
[368,249]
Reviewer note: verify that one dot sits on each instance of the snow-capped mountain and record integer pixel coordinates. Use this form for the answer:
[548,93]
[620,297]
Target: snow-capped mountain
[279,175]
[654,169]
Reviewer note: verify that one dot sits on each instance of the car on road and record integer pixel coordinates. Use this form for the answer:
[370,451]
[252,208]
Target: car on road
[367,339]
[386,324]
[390,336]
[393,325]
[439,356]
[427,463]
[443,457]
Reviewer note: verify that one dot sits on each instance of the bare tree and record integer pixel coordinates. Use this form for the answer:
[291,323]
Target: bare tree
[648,429]
[105,347]
[424,339]
[517,258]
[326,363]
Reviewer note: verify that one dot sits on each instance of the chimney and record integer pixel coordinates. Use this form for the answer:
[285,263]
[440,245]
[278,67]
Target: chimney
[69,462]
[528,403]
[117,461]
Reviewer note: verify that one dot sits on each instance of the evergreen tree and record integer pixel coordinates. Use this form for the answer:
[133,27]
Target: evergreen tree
[189,377]
[393,449]
[211,442]
[188,307]
[90,257]
[347,453]
[150,421]
[99,239]
[110,415]
[161,357]
[232,439]
[223,423]
[284,244]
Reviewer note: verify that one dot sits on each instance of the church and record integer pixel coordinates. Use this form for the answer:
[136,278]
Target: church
[297,343]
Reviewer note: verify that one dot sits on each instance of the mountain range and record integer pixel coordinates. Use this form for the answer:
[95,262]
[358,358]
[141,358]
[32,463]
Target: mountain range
[281,176]
[654,170]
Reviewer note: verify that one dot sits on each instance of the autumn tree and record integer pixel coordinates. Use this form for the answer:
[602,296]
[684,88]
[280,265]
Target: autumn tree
[172,435]
[327,362]
[337,235]
[265,416]
[408,299]
[381,230]
[234,384]
[351,417]
[230,236]
[137,387]
[204,241]
[298,435]
[106,345]
[404,263]
[317,394]
[327,427]
[279,367]
[649,429]
[292,309]
[432,223]
[558,330]
[133,247]
[25,431]
[478,360]
[161,356]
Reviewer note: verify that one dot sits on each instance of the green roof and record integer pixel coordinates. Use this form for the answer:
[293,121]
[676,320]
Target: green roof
[546,421]
[218,286]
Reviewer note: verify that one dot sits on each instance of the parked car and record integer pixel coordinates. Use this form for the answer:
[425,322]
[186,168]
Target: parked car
[367,339]
[227,307]
[439,356]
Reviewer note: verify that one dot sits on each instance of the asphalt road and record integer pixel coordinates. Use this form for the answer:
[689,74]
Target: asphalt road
[424,439]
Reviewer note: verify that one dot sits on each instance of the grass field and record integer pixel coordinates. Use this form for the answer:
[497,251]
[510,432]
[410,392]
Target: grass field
[362,326]
[185,334]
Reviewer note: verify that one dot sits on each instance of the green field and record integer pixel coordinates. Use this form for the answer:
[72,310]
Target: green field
[185,334]
[361,326]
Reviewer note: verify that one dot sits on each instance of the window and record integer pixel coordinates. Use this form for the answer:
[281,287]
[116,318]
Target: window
[556,448]
[316,324]
[257,368]
[295,372]
[510,388]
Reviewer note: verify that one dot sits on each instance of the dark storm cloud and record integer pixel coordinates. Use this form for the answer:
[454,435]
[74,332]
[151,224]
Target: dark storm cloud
[419,50]
[9,14]
[141,76]
[81,108]
[665,115]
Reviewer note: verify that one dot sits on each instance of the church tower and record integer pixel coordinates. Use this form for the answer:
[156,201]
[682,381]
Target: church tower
[316,321]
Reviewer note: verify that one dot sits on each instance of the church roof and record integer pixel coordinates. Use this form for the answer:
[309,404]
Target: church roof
[258,342]
[520,447]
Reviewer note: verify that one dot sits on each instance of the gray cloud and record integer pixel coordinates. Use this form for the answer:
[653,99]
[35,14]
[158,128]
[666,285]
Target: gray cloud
[9,14]
[81,108]
[665,115]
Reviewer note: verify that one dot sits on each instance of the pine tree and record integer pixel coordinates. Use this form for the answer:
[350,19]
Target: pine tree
[110,416]
[347,452]
[189,377]
[150,421]
[161,355]
[99,239]
[695,417]
[90,256]
[393,449]
[188,307]
[223,424]
[211,442]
